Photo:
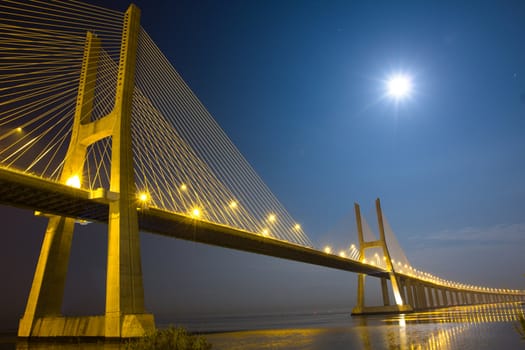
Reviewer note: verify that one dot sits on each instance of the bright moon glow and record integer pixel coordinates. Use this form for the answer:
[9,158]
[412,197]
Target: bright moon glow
[399,86]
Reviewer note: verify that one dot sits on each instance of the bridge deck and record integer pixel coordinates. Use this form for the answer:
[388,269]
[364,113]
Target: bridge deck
[32,192]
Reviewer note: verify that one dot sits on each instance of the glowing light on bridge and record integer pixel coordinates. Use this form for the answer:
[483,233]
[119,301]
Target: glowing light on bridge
[297,227]
[19,129]
[233,205]
[73,181]
[342,254]
[265,232]
[143,197]
[183,187]
[327,250]
[196,212]
[272,218]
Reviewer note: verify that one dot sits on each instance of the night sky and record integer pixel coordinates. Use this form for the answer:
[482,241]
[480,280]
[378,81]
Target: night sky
[299,87]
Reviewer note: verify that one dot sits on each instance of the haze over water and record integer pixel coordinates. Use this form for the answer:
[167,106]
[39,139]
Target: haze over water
[468,327]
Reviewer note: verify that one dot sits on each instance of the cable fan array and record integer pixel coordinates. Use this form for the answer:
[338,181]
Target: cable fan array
[184,162]
[187,164]
[41,51]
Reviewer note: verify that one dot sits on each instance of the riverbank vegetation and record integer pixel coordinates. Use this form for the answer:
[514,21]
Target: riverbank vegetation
[520,327]
[169,339]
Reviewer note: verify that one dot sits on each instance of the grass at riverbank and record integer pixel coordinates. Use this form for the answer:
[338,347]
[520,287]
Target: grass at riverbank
[169,339]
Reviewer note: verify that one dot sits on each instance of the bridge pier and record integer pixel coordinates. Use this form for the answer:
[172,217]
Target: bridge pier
[125,316]
[47,289]
[444,297]
[431,303]
[423,294]
[384,292]
[360,308]
[409,293]
[402,292]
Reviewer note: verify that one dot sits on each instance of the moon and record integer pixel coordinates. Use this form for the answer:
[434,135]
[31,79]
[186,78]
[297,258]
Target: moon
[399,86]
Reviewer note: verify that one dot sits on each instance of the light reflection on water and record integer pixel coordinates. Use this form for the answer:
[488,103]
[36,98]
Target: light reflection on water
[471,327]
[468,327]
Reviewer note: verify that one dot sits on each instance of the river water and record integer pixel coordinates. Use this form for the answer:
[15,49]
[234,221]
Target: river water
[493,326]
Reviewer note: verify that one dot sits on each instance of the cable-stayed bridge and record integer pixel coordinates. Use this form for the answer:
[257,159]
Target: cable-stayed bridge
[96,125]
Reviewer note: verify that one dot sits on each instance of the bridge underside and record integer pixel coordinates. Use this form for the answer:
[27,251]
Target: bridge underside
[34,193]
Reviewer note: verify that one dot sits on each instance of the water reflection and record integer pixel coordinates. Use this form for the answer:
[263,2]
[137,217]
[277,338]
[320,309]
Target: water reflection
[467,327]
[444,328]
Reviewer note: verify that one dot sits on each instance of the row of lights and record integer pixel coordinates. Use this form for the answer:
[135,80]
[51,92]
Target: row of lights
[74,181]
[195,212]
[425,276]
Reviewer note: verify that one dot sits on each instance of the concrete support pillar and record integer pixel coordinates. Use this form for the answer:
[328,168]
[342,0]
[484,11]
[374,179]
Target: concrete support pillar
[399,305]
[437,300]
[430,295]
[401,283]
[422,296]
[360,291]
[417,296]
[384,291]
[409,294]
[47,290]
[124,316]
[444,297]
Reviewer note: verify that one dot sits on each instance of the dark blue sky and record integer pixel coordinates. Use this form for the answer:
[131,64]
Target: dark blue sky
[299,88]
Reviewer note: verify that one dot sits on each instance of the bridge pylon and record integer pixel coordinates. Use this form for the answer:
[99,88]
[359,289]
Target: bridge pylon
[387,307]
[124,312]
